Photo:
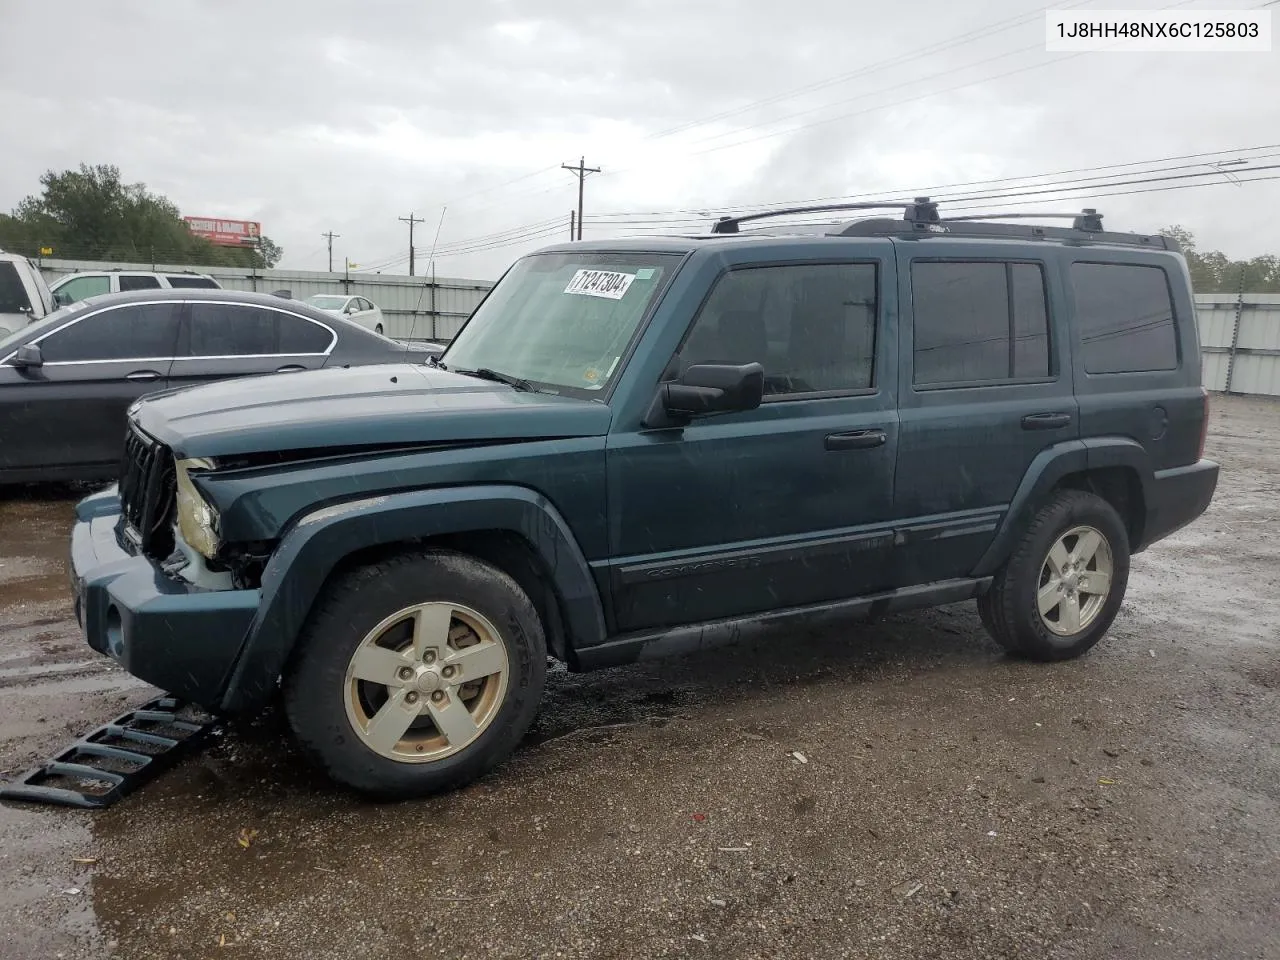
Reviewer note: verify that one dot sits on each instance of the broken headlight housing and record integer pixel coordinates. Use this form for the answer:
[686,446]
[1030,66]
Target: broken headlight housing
[197,520]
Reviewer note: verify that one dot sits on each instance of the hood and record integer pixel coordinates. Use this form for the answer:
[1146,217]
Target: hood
[387,405]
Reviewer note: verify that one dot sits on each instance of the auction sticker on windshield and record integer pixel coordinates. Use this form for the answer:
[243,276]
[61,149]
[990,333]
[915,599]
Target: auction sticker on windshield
[600,283]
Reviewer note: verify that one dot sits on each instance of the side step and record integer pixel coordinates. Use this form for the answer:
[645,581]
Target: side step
[115,759]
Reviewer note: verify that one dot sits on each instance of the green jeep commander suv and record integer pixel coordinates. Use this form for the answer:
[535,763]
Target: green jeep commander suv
[631,448]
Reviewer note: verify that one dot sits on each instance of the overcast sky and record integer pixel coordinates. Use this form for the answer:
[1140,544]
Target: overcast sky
[341,115]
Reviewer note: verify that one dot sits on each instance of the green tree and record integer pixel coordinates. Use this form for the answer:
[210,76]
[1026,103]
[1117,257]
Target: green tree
[1213,271]
[91,214]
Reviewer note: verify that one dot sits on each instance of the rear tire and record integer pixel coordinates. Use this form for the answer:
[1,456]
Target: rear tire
[378,329]
[416,675]
[1063,586]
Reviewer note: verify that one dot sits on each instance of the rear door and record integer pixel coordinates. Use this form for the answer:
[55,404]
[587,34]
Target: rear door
[69,414]
[224,340]
[985,385]
[1137,362]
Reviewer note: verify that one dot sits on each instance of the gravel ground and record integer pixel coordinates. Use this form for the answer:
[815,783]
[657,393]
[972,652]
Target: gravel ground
[950,801]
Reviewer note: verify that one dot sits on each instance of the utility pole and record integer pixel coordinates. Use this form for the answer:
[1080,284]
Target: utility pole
[580,171]
[330,236]
[571,222]
[411,220]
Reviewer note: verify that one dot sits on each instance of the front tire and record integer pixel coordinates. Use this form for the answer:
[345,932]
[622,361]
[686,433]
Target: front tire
[1063,586]
[378,329]
[416,675]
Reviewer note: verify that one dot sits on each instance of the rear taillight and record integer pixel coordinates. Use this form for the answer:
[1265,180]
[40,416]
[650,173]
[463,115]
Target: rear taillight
[1204,422]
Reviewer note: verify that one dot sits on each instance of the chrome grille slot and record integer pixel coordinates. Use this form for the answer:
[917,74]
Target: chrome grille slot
[148,494]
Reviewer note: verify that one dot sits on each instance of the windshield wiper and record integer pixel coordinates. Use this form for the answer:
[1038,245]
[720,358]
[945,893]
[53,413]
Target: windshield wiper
[484,373]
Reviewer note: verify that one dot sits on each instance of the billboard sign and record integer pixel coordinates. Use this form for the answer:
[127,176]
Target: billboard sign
[226,233]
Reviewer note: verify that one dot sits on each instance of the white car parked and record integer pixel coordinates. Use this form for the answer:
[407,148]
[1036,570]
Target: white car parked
[75,287]
[24,296]
[357,309]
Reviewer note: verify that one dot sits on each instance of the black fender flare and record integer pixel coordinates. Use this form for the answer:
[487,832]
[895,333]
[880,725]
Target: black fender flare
[1046,471]
[315,543]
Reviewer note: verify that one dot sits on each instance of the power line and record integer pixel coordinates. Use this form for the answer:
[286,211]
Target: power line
[330,236]
[979,33]
[954,192]
[942,191]
[974,35]
[894,103]
[533,232]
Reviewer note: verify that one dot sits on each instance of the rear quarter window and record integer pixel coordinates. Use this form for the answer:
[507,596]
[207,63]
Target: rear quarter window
[192,283]
[138,281]
[1124,318]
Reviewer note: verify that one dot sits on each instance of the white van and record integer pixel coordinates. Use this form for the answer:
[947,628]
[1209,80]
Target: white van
[80,286]
[24,296]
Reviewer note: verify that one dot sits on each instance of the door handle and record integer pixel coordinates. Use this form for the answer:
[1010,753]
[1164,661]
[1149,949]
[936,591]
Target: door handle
[856,440]
[143,376]
[1045,421]
[290,368]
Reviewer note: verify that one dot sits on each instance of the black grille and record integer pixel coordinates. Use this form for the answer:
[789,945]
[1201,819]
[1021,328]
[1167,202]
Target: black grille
[147,494]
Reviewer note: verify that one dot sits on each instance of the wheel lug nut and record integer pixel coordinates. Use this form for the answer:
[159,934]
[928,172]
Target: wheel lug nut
[404,673]
[410,697]
[438,696]
[429,657]
[449,671]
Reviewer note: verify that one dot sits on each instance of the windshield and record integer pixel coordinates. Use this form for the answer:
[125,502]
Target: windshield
[327,303]
[40,326]
[562,319]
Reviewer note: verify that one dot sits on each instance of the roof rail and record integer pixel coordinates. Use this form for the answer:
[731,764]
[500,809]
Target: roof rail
[921,218]
[921,210]
[1088,219]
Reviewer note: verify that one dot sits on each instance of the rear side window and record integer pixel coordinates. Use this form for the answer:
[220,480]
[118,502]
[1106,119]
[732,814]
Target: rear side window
[229,330]
[192,283]
[13,295]
[234,330]
[137,281]
[128,332]
[1125,317]
[977,322]
[302,336]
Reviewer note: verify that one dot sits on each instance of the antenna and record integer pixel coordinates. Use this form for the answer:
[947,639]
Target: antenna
[428,283]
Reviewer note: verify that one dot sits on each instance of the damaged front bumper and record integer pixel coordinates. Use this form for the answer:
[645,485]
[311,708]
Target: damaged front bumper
[163,630]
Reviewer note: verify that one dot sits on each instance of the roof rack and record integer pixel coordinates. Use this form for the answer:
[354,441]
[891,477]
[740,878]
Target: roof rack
[1088,219]
[920,218]
[921,210]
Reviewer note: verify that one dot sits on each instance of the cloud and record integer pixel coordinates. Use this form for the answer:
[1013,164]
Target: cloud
[340,116]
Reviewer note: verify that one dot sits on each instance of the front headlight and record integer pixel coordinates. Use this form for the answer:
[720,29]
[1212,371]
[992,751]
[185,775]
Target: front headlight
[197,521]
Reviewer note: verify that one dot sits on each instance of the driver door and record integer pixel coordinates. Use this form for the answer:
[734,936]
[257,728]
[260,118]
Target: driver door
[783,506]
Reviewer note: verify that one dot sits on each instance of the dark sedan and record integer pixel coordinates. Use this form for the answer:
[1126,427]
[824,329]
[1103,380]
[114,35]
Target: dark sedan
[66,381]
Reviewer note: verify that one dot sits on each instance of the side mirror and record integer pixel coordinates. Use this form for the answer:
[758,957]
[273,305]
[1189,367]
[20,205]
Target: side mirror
[711,388]
[352,308]
[61,299]
[27,355]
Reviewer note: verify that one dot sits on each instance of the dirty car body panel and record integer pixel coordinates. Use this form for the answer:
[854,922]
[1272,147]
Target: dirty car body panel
[649,536]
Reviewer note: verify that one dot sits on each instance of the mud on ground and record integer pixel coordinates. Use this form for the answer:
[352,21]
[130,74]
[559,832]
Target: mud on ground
[953,803]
